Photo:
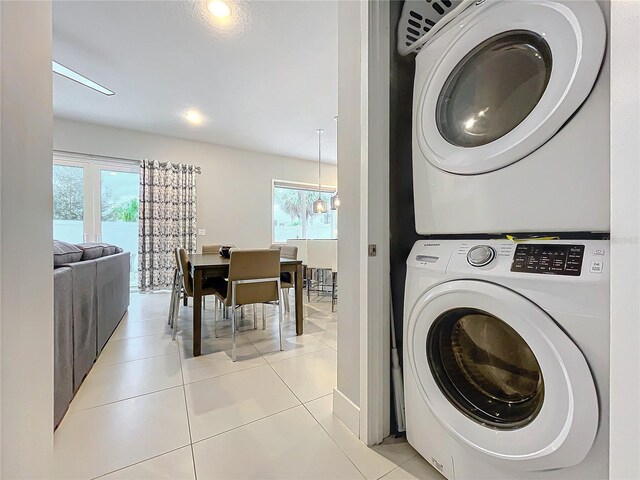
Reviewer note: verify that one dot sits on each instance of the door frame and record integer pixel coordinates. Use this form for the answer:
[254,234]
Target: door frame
[362,397]
[375,330]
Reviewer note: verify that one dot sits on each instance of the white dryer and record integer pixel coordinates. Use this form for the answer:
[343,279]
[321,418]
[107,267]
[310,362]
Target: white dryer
[506,362]
[511,119]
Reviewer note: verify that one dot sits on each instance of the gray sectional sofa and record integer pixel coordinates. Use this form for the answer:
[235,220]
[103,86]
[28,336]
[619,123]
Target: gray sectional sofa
[91,295]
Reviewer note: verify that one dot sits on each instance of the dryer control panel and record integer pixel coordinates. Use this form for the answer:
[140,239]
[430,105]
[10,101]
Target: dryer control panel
[549,259]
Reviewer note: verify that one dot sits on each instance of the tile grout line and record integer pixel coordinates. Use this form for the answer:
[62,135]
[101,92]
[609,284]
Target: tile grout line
[71,412]
[316,420]
[138,463]
[245,424]
[96,365]
[401,465]
[138,396]
[329,435]
[296,356]
[180,351]
[186,408]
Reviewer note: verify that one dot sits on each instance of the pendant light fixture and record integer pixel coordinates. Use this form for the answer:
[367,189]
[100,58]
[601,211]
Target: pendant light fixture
[335,200]
[319,206]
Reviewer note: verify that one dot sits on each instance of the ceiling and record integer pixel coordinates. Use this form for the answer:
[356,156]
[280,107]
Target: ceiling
[265,81]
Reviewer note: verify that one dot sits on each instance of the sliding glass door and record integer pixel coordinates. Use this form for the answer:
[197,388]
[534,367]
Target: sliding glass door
[97,201]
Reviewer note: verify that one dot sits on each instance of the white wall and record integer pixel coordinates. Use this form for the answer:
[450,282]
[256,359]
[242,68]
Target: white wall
[26,279]
[625,240]
[234,189]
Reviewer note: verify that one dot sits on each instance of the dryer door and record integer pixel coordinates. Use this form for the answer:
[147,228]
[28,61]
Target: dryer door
[501,376]
[505,77]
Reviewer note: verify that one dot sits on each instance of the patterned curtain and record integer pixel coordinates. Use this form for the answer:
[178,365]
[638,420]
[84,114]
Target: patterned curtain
[167,219]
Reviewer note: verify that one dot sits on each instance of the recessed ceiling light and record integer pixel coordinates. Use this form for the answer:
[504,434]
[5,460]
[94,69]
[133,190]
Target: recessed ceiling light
[219,9]
[193,116]
[76,77]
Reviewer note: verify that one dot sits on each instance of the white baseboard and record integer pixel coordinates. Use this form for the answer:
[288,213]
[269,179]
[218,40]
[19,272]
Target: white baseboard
[347,411]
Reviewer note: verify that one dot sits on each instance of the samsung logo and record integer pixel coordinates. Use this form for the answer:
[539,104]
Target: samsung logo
[431,245]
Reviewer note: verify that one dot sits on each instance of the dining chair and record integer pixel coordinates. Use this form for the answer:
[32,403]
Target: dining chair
[211,248]
[184,282]
[302,256]
[254,277]
[322,258]
[289,252]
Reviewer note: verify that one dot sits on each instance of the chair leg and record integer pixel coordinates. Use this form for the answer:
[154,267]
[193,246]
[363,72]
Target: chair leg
[171,302]
[185,299]
[334,278]
[215,317]
[255,317]
[287,304]
[174,321]
[233,323]
[280,315]
[264,317]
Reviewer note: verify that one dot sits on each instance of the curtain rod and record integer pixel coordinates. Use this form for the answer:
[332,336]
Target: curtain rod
[107,157]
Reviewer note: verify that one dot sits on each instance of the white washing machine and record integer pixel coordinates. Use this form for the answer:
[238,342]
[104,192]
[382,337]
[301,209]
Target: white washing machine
[511,119]
[506,358]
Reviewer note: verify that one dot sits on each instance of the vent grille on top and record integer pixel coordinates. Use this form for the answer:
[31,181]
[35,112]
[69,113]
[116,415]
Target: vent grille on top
[418,18]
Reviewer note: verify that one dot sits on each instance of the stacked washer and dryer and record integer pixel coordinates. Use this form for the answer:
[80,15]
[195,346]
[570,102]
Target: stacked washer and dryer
[507,343]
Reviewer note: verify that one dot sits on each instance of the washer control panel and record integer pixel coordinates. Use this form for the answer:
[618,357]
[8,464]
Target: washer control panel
[549,258]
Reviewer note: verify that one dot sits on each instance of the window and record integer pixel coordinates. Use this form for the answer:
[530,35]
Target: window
[293,215]
[96,201]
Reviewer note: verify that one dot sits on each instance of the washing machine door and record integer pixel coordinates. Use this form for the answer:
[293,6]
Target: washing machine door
[504,79]
[501,376]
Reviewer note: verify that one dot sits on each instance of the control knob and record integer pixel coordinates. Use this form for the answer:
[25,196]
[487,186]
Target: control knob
[481,255]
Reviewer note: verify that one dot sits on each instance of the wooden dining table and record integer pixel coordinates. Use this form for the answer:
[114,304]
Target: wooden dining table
[208,265]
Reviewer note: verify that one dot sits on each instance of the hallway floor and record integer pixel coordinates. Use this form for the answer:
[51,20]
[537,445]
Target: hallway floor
[150,410]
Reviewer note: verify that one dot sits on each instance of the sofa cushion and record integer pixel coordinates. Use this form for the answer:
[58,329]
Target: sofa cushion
[108,249]
[91,251]
[64,252]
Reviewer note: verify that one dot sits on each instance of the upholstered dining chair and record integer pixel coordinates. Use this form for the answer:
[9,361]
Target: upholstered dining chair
[183,281]
[322,258]
[213,248]
[286,278]
[254,277]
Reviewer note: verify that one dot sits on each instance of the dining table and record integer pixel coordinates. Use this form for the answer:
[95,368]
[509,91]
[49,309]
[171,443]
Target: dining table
[208,265]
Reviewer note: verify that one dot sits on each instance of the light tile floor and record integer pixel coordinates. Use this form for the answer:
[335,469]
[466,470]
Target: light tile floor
[150,410]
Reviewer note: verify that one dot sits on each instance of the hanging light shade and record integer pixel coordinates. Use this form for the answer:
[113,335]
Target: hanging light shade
[335,202]
[320,206]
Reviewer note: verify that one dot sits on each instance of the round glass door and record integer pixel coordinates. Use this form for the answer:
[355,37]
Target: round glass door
[485,368]
[493,88]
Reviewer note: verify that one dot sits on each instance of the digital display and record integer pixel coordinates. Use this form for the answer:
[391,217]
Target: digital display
[548,259]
